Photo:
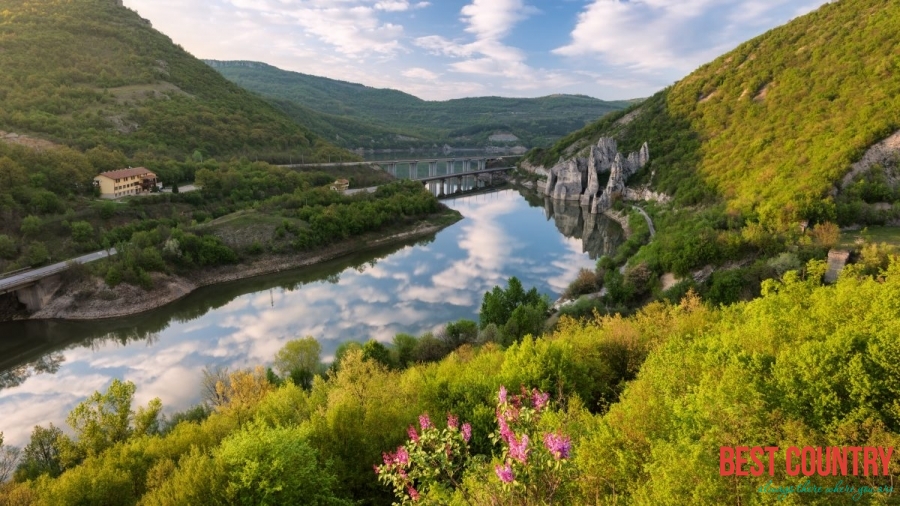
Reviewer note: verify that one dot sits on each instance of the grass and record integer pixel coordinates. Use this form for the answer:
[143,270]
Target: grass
[878,235]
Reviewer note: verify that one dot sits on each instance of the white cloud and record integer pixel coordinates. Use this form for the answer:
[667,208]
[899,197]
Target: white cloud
[420,73]
[649,36]
[493,19]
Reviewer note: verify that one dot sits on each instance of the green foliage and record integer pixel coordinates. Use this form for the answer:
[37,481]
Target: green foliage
[105,419]
[8,248]
[499,304]
[299,360]
[82,231]
[31,226]
[266,466]
[36,254]
[356,115]
[377,352]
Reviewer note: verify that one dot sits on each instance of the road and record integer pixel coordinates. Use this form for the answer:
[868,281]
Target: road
[649,221]
[42,272]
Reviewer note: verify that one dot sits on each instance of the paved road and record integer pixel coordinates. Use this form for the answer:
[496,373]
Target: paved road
[649,221]
[42,272]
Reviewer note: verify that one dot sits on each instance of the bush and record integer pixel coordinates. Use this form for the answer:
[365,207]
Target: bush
[37,254]
[586,282]
[8,248]
[82,231]
[31,226]
[107,210]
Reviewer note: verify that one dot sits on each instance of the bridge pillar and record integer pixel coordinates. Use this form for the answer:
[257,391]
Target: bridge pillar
[36,296]
[482,164]
[450,165]
[414,169]
[432,169]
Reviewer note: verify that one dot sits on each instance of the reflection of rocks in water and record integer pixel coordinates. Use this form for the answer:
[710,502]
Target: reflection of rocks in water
[602,236]
[599,234]
[567,216]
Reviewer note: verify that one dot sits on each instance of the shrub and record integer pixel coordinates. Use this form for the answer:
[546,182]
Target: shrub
[37,254]
[586,282]
[32,226]
[82,231]
[8,248]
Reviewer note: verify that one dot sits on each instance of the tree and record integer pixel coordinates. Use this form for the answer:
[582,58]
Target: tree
[41,454]
[375,351]
[499,304]
[82,231]
[8,247]
[9,457]
[404,345]
[105,419]
[299,360]
[274,466]
[31,226]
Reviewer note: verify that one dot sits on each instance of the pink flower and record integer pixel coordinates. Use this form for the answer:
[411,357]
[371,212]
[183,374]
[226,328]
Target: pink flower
[505,473]
[387,458]
[452,422]
[413,493]
[402,456]
[518,448]
[559,445]
[425,422]
[377,470]
[505,433]
[466,432]
[413,435]
[502,394]
[539,399]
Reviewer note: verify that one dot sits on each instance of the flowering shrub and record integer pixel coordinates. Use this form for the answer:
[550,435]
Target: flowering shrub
[431,459]
[532,469]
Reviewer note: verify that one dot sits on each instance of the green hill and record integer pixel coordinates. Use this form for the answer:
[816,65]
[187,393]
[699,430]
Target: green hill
[360,116]
[772,126]
[89,73]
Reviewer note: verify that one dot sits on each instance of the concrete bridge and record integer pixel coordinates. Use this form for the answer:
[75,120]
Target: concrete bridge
[410,168]
[460,177]
[35,287]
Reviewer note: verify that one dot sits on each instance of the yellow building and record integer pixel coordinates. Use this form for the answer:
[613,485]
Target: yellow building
[119,183]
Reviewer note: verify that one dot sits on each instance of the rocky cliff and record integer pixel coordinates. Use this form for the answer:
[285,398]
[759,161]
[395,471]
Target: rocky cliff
[583,179]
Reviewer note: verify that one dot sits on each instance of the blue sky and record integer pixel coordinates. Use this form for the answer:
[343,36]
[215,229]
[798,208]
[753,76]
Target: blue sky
[442,49]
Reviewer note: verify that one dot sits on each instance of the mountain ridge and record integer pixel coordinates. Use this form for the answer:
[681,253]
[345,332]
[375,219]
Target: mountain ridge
[389,113]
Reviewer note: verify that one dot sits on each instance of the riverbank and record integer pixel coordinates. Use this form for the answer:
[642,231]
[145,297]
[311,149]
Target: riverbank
[91,299]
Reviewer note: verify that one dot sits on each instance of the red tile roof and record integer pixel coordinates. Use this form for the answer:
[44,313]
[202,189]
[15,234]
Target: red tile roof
[123,173]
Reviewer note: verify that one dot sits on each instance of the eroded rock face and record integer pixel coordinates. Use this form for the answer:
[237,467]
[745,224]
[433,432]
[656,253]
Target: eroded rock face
[600,162]
[570,181]
[579,178]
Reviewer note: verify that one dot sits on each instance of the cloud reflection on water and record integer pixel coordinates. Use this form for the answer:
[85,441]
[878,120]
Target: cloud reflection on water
[413,289]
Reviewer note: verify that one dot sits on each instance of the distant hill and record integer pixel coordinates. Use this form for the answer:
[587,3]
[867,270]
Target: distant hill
[355,115]
[89,73]
[771,127]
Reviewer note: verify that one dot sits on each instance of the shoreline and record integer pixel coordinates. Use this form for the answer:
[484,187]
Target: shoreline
[128,300]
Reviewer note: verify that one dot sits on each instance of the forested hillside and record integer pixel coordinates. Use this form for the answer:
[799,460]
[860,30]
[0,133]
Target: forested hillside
[772,126]
[366,117]
[88,73]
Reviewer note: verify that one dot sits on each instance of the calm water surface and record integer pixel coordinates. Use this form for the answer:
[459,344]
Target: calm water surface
[47,367]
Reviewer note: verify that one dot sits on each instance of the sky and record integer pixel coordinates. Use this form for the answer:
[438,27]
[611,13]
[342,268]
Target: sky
[443,49]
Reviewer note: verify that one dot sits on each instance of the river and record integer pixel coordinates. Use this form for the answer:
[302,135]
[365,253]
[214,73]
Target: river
[47,367]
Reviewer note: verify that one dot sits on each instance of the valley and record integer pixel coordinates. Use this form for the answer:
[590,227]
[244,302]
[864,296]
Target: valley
[341,293]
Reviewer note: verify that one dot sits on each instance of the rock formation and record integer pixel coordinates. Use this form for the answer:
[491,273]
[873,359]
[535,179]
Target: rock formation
[580,178]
